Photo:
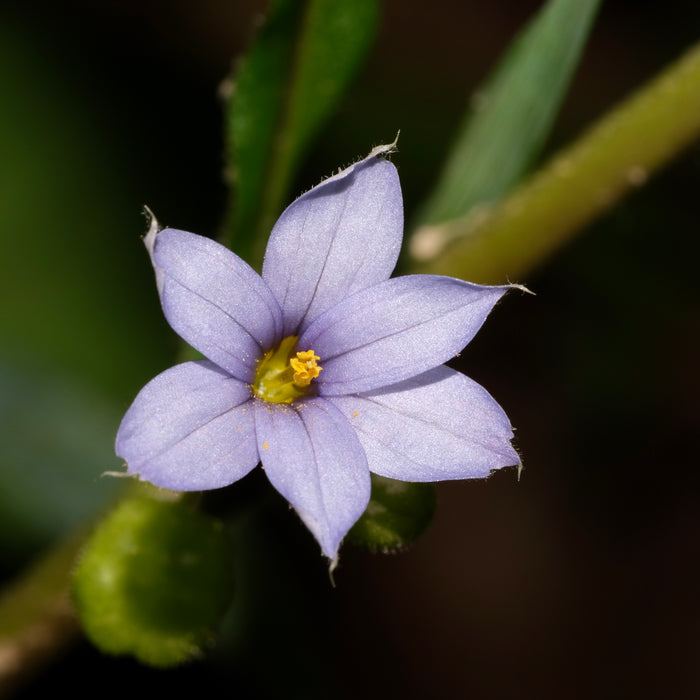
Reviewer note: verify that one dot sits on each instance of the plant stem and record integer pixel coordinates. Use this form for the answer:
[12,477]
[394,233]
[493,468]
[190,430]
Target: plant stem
[36,619]
[617,154]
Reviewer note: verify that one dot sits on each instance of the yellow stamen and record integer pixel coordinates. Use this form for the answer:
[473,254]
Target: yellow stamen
[305,367]
[284,375]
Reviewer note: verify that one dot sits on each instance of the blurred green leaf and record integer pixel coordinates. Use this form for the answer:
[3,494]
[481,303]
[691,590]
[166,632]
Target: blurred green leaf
[57,438]
[76,291]
[283,91]
[511,115]
[78,331]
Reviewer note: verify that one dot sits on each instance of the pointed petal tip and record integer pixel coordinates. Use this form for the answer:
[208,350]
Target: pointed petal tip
[384,149]
[149,240]
[120,475]
[314,459]
[508,463]
[408,325]
[521,287]
[338,238]
[332,565]
[378,154]
[153,224]
[434,427]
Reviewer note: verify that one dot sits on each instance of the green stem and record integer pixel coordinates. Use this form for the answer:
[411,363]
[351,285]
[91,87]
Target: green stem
[578,184]
[36,619]
[36,616]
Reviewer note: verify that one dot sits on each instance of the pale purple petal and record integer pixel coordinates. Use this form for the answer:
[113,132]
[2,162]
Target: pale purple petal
[396,330]
[313,458]
[340,237]
[439,425]
[191,428]
[215,301]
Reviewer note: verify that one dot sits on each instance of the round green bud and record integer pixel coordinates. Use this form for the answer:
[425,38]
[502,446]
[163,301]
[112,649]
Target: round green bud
[154,581]
[398,513]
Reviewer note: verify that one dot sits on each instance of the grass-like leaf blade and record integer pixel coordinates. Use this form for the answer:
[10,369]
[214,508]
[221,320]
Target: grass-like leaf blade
[283,91]
[511,116]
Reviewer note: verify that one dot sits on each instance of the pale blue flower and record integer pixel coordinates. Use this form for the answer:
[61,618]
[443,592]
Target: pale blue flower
[323,369]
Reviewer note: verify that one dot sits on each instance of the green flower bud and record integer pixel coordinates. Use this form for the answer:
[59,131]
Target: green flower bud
[398,512]
[154,581]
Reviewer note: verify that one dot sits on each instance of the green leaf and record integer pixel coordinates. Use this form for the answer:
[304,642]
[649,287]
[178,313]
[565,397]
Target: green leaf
[511,116]
[283,92]
[398,512]
[81,326]
[613,157]
[76,291]
[154,581]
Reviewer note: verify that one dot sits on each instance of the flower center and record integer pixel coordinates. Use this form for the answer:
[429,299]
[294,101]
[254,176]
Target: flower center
[283,375]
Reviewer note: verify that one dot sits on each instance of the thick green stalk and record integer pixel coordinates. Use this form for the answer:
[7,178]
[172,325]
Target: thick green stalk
[617,154]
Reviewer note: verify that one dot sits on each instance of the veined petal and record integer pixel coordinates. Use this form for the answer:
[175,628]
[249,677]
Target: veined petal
[313,458]
[215,301]
[338,238]
[439,425]
[191,428]
[396,330]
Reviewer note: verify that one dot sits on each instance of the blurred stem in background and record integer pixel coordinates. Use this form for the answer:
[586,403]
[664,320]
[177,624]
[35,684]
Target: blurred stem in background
[36,618]
[507,239]
[511,115]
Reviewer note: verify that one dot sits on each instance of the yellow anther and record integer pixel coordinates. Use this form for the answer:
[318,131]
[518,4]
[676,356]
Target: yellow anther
[305,367]
[283,375]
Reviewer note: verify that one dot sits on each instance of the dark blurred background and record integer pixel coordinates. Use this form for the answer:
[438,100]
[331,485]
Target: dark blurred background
[580,580]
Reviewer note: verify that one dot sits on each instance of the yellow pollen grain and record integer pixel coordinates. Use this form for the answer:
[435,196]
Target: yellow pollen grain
[265,445]
[357,413]
[305,367]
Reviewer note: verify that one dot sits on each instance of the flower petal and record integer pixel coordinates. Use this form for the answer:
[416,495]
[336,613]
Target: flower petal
[439,425]
[216,301]
[189,429]
[313,458]
[396,330]
[340,237]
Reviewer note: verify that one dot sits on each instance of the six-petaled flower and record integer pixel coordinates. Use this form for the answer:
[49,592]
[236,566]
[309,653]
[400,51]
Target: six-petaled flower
[324,369]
